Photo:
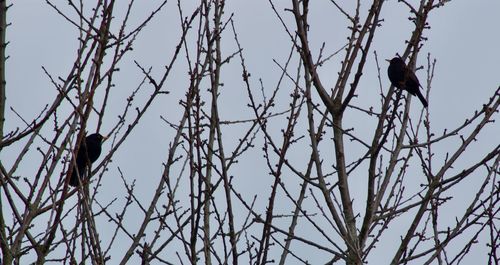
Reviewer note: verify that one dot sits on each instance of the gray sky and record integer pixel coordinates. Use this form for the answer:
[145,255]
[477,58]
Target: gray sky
[464,38]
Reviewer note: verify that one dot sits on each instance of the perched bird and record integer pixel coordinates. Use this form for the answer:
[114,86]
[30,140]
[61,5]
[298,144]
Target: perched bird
[403,78]
[89,151]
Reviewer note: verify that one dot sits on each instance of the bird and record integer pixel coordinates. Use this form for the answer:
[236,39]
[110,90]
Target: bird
[403,77]
[89,151]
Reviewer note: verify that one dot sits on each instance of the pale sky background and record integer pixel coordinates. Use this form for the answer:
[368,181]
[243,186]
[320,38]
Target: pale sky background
[464,38]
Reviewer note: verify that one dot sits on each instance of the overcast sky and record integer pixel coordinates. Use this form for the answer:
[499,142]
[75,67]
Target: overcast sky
[464,39]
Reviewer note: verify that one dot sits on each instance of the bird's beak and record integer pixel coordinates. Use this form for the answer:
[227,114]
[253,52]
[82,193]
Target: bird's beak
[388,60]
[104,138]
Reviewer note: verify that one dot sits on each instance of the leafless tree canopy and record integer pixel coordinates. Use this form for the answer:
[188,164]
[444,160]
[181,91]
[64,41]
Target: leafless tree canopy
[294,170]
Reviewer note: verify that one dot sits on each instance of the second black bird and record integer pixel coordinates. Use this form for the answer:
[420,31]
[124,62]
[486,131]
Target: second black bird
[89,151]
[403,77]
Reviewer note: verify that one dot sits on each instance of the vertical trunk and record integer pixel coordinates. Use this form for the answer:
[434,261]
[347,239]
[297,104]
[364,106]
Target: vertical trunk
[6,252]
[3,45]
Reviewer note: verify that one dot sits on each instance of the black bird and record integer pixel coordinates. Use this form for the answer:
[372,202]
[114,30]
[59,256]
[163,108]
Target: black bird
[403,78]
[89,151]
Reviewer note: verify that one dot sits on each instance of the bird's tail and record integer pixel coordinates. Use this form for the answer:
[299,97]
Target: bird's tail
[73,181]
[422,98]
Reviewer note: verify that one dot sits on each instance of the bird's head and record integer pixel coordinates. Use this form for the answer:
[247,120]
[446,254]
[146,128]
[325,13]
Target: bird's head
[96,137]
[396,61]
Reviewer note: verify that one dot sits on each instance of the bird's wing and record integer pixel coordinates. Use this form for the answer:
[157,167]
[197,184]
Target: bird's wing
[411,77]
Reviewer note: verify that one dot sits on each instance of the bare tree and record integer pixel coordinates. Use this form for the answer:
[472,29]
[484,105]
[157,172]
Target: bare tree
[319,163]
